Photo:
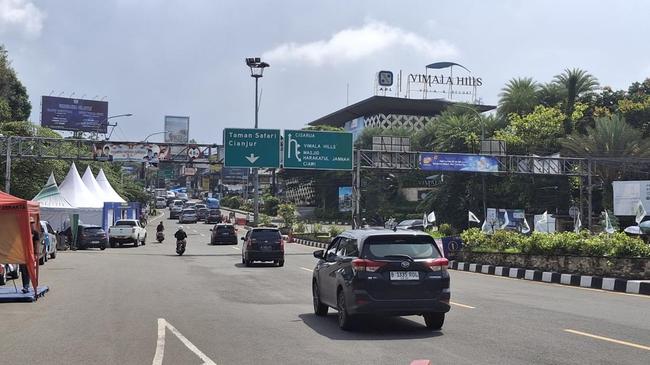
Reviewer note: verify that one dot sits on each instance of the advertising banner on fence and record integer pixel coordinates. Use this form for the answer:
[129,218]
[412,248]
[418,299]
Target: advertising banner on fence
[345,198]
[628,194]
[177,129]
[458,162]
[74,114]
[131,152]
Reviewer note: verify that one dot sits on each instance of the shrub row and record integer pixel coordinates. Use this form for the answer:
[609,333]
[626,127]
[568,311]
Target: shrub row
[562,243]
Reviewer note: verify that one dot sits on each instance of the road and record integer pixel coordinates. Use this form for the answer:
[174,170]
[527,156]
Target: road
[105,307]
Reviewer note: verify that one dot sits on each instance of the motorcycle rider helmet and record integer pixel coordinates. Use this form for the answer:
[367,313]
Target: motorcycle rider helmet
[180,228]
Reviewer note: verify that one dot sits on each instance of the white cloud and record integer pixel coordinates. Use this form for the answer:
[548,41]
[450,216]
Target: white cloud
[21,15]
[353,44]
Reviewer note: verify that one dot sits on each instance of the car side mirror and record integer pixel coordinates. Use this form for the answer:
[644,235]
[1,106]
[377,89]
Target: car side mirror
[343,259]
[319,254]
[243,238]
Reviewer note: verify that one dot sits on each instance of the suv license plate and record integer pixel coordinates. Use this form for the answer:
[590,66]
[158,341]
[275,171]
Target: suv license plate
[94,241]
[404,275]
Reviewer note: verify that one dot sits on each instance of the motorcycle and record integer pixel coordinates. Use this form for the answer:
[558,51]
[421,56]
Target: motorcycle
[160,236]
[180,247]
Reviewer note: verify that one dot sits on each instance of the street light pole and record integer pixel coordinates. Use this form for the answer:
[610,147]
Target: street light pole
[257,70]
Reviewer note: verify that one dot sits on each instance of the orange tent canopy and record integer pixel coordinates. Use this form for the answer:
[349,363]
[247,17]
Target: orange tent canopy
[16,245]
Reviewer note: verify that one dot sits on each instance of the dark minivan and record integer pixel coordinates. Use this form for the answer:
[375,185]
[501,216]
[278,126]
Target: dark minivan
[223,234]
[263,244]
[91,236]
[385,272]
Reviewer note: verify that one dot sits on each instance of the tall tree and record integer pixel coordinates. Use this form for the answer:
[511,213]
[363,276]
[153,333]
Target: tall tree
[518,96]
[14,101]
[575,82]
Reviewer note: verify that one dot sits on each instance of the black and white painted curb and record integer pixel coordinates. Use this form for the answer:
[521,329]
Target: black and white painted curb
[594,282]
[310,243]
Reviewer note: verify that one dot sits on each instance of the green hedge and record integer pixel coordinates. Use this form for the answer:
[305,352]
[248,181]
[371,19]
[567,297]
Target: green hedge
[563,243]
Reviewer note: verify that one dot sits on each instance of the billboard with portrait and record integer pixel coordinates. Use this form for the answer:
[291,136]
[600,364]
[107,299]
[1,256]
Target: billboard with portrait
[177,129]
[150,153]
[68,114]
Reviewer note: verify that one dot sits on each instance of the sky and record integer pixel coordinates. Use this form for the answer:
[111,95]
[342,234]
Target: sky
[154,58]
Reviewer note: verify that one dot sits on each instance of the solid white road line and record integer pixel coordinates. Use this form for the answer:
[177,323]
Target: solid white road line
[306,269]
[612,340]
[160,345]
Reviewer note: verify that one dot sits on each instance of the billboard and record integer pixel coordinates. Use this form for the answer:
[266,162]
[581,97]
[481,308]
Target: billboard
[627,195]
[458,162]
[234,175]
[68,114]
[345,198]
[131,152]
[177,129]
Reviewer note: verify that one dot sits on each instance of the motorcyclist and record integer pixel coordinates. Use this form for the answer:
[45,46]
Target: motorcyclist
[180,234]
[160,227]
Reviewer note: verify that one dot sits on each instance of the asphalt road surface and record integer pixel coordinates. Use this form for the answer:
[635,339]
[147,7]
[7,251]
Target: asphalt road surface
[146,305]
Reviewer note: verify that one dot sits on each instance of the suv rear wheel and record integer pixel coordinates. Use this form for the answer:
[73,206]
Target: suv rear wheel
[346,321]
[320,309]
[434,321]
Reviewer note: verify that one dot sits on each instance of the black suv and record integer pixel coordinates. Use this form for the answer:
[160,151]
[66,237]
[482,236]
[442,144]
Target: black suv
[223,234]
[384,272]
[263,244]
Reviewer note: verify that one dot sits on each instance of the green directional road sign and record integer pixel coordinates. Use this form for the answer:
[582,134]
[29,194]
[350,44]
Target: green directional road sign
[317,150]
[251,147]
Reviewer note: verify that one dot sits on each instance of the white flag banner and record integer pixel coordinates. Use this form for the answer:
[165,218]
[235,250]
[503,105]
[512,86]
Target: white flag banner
[431,217]
[526,227]
[577,224]
[542,222]
[506,220]
[640,212]
[608,224]
[472,217]
[486,227]
[425,222]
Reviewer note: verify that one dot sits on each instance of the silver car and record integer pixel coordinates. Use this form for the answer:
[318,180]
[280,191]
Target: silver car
[188,216]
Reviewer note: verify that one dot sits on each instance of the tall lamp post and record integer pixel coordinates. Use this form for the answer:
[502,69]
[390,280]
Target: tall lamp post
[257,70]
[115,125]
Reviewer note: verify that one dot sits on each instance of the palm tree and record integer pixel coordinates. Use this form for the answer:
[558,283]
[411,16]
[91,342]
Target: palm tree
[609,141]
[575,82]
[518,96]
[551,94]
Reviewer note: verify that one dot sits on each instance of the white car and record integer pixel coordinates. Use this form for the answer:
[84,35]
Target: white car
[161,202]
[127,231]
[49,241]
[171,195]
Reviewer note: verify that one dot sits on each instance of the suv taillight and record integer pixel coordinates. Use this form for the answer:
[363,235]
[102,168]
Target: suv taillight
[439,264]
[133,230]
[281,242]
[366,265]
[249,244]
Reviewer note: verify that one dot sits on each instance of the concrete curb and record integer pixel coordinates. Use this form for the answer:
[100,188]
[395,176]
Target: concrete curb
[310,243]
[585,281]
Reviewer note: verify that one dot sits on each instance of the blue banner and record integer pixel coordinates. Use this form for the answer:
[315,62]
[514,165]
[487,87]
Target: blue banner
[74,114]
[458,162]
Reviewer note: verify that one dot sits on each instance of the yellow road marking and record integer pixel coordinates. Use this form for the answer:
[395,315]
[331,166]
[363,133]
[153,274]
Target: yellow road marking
[612,340]
[306,269]
[462,305]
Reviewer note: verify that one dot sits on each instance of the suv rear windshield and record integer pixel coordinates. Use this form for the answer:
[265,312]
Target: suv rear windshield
[225,229]
[178,202]
[415,247]
[125,223]
[189,211]
[215,212]
[94,230]
[266,234]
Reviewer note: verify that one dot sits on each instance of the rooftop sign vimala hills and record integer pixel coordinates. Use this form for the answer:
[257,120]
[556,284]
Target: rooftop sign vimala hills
[251,147]
[317,150]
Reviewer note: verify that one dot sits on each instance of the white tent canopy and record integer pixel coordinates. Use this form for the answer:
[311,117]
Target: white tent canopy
[56,209]
[76,193]
[50,196]
[109,193]
[94,188]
